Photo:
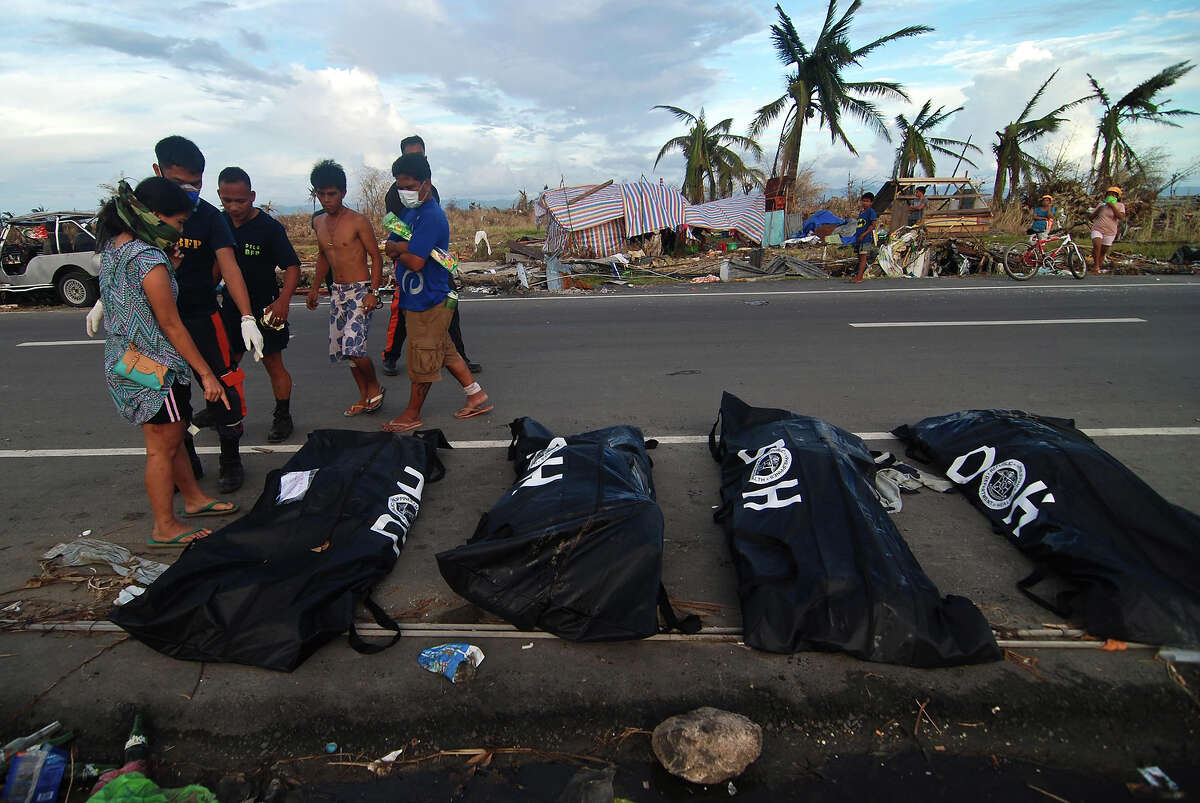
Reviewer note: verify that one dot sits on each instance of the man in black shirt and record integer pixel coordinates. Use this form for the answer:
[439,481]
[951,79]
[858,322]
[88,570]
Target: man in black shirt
[262,246]
[396,329]
[207,246]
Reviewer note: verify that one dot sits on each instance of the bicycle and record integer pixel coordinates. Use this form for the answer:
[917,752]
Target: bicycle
[1022,260]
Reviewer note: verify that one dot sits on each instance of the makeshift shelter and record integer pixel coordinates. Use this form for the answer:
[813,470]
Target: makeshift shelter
[960,208]
[593,221]
[745,214]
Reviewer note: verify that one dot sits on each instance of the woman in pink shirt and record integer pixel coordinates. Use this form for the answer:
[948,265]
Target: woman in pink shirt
[1106,219]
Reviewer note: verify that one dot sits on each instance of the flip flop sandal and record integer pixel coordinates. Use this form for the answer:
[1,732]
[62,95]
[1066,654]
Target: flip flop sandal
[177,542]
[471,412]
[402,427]
[375,402]
[210,510]
[354,409]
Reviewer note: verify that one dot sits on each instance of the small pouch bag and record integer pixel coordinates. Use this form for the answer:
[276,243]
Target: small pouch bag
[137,367]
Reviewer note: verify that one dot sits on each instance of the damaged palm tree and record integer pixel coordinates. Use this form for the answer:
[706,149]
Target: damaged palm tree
[917,145]
[1013,163]
[1111,152]
[816,88]
[710,157]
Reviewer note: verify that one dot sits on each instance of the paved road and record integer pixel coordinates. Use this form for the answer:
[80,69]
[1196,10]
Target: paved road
[1115,354]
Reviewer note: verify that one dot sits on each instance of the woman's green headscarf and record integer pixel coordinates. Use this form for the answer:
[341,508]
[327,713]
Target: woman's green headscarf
[144,224]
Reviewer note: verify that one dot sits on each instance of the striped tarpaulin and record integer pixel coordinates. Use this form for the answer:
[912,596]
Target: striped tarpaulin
[599,207]
[594,243]
[746,214]
[651,207]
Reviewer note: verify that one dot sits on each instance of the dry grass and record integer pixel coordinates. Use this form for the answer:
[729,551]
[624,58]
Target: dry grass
[501,225]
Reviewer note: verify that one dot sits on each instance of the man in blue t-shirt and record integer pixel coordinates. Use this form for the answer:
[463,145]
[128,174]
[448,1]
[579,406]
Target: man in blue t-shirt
[867,217]
[426,296]
[396,333]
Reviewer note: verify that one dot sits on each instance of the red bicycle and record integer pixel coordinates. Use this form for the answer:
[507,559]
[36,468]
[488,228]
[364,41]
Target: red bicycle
[1023,260]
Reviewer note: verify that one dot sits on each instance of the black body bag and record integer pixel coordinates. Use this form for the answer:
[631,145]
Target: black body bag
[1131,559]
[576,546]
[272,587]
[820,564]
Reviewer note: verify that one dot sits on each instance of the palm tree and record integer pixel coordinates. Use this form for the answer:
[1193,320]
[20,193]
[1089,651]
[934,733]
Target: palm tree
[1012,162]
[916,147]
[1111,147]
[816,86]
[709,156]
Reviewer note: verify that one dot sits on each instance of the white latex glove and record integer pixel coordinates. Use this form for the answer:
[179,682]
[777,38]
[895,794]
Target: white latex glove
[252,337]
[94,318]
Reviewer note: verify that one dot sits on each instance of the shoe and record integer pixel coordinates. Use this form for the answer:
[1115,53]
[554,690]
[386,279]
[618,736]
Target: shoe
[281,429]
[390,369]
[203,419]
[475,368]
[231,477]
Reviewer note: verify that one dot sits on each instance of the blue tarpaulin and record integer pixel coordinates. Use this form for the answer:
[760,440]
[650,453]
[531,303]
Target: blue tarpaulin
[819,219]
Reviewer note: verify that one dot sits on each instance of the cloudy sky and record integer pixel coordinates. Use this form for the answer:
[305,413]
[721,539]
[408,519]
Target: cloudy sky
[513,94]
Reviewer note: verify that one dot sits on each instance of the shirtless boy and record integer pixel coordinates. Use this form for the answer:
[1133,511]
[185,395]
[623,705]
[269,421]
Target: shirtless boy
[346,242]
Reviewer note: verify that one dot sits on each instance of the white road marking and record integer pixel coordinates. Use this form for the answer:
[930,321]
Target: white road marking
[665,440]
[1031,322]
[702,294]
[99,342]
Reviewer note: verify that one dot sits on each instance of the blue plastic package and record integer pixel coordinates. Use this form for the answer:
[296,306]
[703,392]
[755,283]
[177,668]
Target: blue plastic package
[455,661]
[35,775]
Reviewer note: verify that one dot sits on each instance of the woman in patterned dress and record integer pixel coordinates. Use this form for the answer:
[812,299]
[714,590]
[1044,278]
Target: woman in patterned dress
[137,287]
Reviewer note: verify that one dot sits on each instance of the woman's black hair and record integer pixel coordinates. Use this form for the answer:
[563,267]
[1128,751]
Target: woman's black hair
[158,194]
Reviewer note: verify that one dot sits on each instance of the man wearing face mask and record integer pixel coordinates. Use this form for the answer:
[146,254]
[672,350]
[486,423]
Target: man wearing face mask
[207,245]
[396,332]
[427,297]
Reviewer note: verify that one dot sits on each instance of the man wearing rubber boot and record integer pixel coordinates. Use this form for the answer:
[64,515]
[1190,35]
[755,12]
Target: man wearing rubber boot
[428,296]
[262,246]
[207,245]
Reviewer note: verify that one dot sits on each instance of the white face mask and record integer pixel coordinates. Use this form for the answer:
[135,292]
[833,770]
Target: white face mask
[410,198]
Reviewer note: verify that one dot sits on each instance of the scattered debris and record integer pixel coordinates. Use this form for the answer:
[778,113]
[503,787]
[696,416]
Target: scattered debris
[331,747]
[706,279]
[1158,785]
[707,745]
[383,764]
[589,785]
[84,551]
[457,662]
[528,646]
[1050,795]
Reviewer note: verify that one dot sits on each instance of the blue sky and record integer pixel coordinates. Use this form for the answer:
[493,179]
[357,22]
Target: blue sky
[521,94]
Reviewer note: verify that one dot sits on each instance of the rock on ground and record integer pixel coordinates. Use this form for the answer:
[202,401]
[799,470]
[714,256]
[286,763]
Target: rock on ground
[707,745]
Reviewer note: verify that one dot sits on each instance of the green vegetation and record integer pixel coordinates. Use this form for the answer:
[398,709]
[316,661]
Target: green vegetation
[709,157]
[816,88]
